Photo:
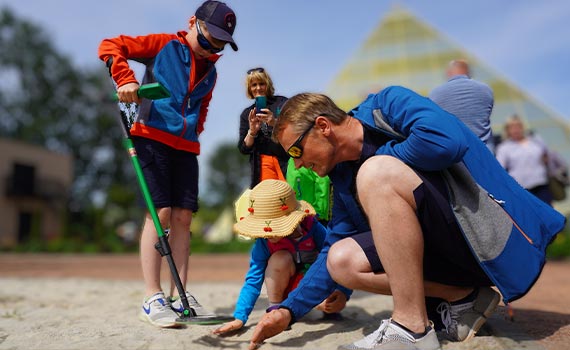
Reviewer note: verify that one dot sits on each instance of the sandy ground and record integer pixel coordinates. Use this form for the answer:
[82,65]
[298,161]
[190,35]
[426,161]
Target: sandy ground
[91,302]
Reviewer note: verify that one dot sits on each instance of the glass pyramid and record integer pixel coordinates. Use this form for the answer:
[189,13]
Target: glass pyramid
[404,50]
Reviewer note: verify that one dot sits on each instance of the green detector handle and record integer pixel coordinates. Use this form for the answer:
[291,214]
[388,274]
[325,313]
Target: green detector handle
[152,91]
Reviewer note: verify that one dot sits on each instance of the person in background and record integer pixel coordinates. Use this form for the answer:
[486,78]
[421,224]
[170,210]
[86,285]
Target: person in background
[525,157]
[267,159]
[468,99]
[288,240]
[165,135]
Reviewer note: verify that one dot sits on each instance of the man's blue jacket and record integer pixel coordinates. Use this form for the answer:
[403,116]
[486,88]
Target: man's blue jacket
[507,228]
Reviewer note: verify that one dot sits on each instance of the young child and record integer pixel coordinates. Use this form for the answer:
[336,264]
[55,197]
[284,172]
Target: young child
[289,238]
[166,132]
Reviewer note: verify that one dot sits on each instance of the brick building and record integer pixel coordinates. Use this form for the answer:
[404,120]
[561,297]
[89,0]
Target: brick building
[34,191]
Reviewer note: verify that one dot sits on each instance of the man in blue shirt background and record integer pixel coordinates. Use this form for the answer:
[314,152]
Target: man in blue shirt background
[468,99]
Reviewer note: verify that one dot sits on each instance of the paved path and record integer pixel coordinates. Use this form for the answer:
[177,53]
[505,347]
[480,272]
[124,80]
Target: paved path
[90,302]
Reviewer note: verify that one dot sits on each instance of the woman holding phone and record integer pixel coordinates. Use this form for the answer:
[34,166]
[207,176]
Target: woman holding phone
[267,159]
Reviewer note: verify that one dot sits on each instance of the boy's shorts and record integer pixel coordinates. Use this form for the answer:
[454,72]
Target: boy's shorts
[171,175]
[447,256]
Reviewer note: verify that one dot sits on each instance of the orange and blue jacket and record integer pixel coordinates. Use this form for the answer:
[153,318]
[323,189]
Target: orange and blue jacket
[177,120]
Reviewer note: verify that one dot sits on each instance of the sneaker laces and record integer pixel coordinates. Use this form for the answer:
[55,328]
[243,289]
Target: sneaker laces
[450,314]
[376,336]
[192,300]
[158,301]
[384,334]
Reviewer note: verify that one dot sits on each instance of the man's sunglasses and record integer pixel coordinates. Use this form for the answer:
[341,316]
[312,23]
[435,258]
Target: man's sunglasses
[253,70]
[296,150]
[204,43]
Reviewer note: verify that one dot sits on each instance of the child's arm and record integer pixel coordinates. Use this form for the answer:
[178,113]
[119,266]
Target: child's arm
[124,48]
[252,287]
[204,111]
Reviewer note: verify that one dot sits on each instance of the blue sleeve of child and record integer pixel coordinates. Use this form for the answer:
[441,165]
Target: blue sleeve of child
[253,280]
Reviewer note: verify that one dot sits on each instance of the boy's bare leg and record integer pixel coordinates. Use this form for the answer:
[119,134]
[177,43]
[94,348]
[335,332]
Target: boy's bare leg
[179,241]
[150,258]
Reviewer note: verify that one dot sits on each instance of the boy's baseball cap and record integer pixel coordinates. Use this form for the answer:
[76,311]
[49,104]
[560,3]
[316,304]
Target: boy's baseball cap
[221,20]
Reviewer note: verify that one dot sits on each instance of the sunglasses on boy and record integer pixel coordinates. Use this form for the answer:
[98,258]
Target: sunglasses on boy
[204,43]
[296,150]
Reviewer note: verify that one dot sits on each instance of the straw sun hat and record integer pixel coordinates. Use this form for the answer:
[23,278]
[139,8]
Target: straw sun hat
[273,211]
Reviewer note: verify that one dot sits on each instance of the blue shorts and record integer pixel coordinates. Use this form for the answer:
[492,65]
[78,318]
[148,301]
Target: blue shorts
[171,175]
[447,256]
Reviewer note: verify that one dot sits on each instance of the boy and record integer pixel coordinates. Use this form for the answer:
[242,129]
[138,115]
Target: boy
[289,238]
[166,132]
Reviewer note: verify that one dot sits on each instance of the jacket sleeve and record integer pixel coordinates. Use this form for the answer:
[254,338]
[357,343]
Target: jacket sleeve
[243,129]
[317,284]
[124,48]
[204,110]
[433,138]
[321,233]
[253,280]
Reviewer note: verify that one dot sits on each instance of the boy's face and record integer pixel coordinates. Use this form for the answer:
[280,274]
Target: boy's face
[202,43]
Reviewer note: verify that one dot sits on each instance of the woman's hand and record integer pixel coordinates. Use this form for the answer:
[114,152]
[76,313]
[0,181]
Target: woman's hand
[254,123]
[228,327]
[267,117]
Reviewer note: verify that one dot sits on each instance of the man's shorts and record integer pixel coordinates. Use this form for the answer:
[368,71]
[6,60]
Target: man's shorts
[447,256]
[171,175]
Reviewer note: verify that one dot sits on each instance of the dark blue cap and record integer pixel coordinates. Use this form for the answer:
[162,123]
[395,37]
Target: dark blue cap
[220,19]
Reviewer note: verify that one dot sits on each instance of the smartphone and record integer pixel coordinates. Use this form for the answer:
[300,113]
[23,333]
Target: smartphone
[260,103]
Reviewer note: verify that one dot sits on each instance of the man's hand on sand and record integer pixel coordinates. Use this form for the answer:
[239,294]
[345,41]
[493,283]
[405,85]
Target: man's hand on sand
[271,324]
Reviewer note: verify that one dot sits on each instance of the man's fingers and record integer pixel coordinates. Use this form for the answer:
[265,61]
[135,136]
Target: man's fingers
[254,346]
[258,335]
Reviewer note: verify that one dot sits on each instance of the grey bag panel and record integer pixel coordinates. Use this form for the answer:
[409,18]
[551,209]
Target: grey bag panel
[485,224]
[381,123]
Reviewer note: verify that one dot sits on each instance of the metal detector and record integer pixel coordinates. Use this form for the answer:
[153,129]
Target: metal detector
[127,113]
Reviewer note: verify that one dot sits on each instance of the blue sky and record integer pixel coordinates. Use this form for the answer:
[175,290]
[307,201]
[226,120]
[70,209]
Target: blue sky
[304,43]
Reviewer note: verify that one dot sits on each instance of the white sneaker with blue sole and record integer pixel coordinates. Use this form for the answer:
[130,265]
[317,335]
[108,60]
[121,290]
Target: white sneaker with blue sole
[156,311]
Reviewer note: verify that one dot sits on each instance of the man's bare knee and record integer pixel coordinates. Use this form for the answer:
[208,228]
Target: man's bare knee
[385,176]
[339,262]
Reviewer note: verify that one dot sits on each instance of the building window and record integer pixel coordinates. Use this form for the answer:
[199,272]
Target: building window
[23,179]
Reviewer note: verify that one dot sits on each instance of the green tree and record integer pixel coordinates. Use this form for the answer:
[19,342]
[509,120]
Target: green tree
[228,175]
[45,100]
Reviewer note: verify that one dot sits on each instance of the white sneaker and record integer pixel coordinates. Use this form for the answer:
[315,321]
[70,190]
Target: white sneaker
[199,310]
[390,336]
[156,311]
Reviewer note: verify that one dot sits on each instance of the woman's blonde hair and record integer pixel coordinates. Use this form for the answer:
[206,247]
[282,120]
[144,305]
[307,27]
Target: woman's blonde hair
[513,119]
[258,74]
